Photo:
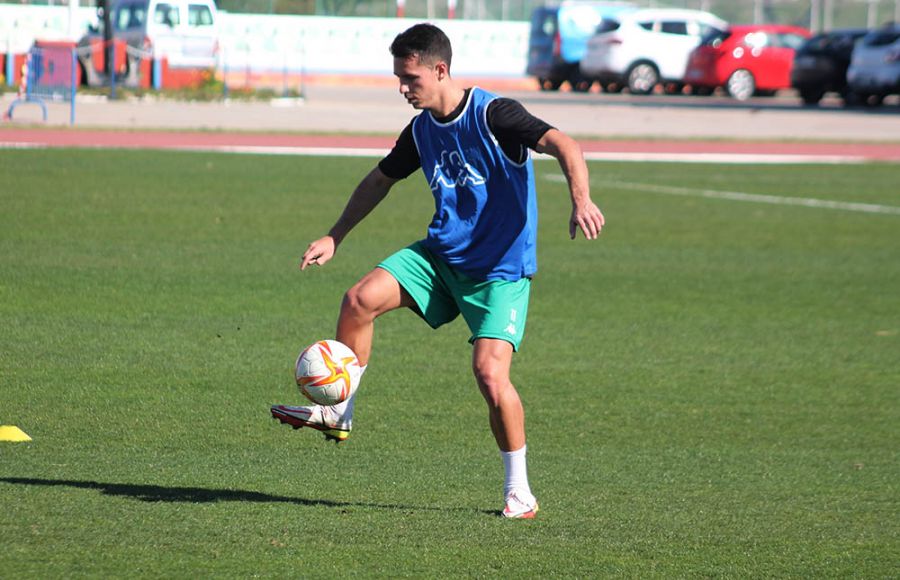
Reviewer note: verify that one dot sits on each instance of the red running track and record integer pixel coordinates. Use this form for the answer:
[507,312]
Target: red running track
[11,137]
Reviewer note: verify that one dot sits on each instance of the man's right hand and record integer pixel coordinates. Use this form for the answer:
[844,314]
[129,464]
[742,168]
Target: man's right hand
[318,252]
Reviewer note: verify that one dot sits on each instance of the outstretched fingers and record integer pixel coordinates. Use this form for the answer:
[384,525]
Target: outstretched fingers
[590,221]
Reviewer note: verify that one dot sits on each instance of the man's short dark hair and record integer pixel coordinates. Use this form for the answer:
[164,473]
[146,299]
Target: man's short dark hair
[427,42]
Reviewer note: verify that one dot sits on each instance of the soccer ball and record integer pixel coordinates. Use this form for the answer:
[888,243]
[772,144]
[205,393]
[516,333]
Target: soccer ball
[327,372]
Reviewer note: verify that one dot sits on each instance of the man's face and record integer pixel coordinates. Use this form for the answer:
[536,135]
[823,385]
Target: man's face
[418,81]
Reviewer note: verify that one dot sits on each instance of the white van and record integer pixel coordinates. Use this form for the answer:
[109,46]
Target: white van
[185,32]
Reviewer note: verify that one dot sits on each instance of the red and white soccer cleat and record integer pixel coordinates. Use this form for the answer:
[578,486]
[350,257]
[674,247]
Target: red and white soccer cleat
[518,509]
[317,417]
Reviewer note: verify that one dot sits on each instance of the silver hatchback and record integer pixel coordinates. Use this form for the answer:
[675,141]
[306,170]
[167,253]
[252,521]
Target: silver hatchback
[874,70]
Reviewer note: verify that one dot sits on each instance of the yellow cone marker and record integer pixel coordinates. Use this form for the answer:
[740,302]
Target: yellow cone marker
[13,433]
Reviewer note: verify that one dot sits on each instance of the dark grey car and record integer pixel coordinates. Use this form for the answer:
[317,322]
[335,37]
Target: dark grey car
[820,64]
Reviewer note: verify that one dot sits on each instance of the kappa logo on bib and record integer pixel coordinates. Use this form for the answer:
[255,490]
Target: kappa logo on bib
[452,170]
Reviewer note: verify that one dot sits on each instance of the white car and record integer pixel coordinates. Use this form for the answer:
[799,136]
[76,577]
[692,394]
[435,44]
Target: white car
[643,48]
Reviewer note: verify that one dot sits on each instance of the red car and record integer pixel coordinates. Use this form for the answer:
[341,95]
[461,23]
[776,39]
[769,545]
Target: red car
[746,60]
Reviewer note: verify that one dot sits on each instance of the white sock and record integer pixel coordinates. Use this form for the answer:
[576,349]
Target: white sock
[516,474]
[344,410]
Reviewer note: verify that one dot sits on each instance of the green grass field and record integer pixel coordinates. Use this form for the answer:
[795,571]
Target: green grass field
[711,389]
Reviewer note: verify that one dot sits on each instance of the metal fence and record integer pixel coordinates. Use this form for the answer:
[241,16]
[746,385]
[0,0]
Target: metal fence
[51,74]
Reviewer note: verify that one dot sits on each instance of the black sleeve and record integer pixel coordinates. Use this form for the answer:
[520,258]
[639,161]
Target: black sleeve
[403,160]
[515,128]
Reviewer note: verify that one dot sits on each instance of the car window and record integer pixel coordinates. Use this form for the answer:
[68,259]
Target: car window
[844,42]
[788,40]
[646,25]
[674,27]
[544,25]
[882,38]
[715,38]
[166,14]
[123,15]
[130,16]
[704,29]
[199,15]
[607,25]
[818,43]
[138,17]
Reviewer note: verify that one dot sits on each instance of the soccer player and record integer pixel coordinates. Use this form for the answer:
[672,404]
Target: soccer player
[478,257]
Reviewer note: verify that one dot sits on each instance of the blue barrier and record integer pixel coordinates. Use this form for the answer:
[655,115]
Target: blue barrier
[52,75]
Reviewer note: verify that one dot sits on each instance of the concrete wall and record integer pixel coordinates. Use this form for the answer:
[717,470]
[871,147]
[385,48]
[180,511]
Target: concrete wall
[308,44]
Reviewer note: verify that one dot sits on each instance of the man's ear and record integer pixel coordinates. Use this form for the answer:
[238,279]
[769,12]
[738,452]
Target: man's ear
[442,70]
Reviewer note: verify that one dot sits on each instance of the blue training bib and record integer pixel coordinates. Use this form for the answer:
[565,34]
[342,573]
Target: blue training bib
[485,218]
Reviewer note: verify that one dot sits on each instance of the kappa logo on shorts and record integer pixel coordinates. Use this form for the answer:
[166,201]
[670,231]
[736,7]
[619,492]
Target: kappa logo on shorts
[452,170]
[511,327]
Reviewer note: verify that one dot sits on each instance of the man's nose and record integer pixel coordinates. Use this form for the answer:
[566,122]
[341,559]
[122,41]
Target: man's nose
[404,88]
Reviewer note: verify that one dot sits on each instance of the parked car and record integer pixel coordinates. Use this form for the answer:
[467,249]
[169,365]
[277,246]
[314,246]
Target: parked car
[640,49]
[558,40]
[747,60]
[820,64]
[874,70]
[182,31]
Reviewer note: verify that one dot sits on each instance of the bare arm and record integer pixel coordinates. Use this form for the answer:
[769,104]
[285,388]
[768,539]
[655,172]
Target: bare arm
[585,214]
[368,194]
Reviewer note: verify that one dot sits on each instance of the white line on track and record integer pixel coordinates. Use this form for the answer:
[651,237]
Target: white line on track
[311,151]
[736,158]
[21,145]
[742,196]
[244,149]
[652,188]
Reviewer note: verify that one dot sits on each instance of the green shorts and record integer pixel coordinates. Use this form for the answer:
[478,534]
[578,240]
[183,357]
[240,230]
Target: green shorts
[491,308]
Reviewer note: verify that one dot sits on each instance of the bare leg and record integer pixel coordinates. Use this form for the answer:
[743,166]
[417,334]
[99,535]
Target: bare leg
[376,293]
[491,361]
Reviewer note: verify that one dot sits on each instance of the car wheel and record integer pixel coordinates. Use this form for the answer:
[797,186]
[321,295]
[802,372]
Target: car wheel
[741,85]
[811,96]
[874,100]
[642,78]
[89,77]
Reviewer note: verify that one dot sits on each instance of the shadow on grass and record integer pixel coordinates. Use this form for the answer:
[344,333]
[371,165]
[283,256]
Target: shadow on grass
[158,493]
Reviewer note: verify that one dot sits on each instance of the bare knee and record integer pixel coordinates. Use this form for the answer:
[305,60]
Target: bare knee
[493,381]
[357,303]
[377,293]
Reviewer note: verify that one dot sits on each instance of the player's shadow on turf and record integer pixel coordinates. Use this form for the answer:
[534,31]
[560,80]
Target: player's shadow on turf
[158,493]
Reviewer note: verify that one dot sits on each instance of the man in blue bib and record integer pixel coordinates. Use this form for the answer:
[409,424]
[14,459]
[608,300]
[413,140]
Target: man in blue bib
[479,255]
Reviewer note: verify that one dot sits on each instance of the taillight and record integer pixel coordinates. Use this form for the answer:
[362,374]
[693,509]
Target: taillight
[556,44]
[613,41]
